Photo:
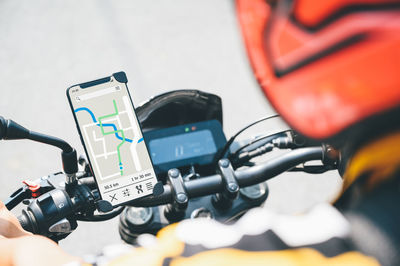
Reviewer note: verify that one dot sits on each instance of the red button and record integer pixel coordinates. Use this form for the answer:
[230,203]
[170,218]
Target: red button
[31,185]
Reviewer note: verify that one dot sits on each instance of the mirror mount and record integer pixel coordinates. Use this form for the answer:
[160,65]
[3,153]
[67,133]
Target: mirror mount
[10,130]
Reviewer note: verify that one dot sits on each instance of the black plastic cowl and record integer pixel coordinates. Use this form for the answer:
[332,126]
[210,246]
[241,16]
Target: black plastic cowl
[182,107]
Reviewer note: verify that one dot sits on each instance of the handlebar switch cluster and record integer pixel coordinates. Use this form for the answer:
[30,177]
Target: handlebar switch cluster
[225,199]
[46,212]
[176,211]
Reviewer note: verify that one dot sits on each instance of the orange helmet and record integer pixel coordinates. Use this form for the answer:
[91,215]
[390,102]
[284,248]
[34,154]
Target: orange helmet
[325,65]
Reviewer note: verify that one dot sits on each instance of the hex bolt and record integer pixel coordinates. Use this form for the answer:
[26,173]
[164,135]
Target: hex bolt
[174,173]
[233,187]
[224,163]
[181,198]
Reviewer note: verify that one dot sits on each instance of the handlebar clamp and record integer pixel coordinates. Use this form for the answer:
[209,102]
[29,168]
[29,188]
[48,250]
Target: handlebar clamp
[176,211]
[225,199]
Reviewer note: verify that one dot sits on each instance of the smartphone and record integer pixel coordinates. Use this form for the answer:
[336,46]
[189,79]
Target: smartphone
[112,137]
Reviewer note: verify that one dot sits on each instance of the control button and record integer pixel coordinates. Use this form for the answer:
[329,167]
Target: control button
[31,185]
[62,226]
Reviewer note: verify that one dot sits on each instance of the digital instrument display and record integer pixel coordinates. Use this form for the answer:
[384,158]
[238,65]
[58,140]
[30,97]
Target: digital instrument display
[113,140]
[182,146]
[185,145]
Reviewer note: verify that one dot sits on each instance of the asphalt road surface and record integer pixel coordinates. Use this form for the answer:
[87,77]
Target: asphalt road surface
[47,46]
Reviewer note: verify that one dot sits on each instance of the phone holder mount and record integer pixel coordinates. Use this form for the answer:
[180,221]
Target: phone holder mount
[10,130]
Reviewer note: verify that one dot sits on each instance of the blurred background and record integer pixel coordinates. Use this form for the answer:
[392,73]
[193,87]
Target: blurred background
[47,46]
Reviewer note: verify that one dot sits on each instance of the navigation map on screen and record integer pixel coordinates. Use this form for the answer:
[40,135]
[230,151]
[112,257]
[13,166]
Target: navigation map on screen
[113,141]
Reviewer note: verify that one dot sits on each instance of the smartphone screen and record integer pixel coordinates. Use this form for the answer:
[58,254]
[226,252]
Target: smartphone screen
[112,137]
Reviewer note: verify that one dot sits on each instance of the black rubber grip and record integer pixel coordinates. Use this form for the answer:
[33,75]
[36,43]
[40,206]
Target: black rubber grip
[25,222]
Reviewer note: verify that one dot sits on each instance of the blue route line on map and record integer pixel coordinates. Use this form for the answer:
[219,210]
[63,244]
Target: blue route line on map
[104,125]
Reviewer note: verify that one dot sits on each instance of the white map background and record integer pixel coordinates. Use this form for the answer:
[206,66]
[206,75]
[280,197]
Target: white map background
[103,148]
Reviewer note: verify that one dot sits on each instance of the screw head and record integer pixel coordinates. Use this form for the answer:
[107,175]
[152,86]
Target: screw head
[233,187]
[173,173]
[224,163]
[181,198]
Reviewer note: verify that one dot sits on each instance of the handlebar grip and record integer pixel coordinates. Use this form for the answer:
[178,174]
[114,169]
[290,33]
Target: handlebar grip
[26,222]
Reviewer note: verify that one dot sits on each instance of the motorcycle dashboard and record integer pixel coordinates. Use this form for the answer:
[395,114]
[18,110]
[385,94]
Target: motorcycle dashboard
[194,144]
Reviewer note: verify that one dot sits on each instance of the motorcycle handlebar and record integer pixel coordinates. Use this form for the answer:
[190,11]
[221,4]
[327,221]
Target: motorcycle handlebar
[38,218]
[246,177]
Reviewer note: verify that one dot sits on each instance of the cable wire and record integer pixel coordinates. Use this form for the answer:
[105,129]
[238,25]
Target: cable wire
[102,217]
[230,141]
[271,136]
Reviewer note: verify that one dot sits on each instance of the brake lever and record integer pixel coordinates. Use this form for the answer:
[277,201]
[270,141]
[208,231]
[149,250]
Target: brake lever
[29,190]
[17,197]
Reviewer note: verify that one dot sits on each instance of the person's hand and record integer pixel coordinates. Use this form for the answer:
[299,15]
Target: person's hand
[19,247]
[9,225]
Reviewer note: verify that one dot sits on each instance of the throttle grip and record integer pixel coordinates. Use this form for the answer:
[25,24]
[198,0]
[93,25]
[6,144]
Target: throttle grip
[26,221]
